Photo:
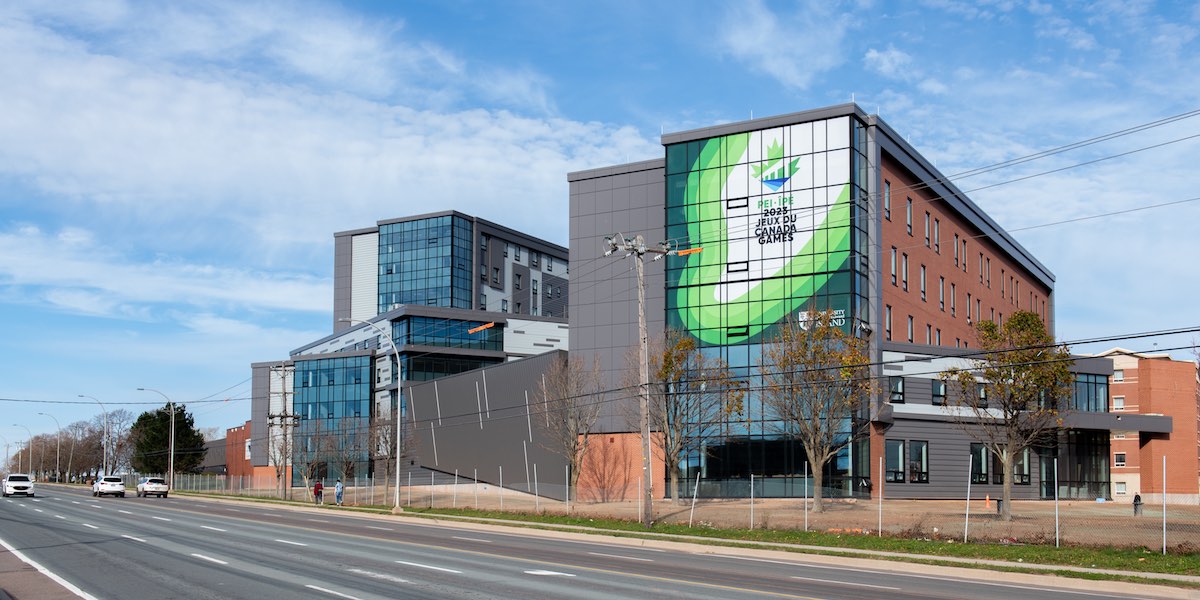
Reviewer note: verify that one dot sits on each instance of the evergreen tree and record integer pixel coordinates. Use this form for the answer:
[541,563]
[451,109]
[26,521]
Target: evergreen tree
[151,439]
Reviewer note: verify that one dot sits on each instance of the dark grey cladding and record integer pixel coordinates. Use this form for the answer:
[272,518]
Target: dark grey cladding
[488,421]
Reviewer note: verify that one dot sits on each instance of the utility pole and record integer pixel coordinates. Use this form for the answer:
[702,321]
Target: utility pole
[637,246]
[287,420]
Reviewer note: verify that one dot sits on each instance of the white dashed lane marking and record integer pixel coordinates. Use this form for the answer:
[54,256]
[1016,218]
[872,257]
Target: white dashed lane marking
[431,567]
[212,528]
[210,559]
[290,542]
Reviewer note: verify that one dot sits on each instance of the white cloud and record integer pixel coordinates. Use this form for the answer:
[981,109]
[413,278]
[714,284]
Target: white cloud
[793,48]
[891,63]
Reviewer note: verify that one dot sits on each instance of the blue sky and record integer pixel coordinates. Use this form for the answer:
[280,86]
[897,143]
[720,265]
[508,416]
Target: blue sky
[171,173]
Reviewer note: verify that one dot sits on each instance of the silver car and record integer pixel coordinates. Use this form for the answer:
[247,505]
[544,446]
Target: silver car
[152,486]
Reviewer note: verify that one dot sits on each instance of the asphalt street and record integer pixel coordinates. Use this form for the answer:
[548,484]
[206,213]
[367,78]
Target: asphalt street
[181,547]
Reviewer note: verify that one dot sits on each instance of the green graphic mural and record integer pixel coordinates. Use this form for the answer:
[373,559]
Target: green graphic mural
[772,211]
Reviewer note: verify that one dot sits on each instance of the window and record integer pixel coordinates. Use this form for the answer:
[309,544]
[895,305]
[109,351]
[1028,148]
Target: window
[1118,403]
[926,229]
[1119,488]
[894,461]
[482,301]
[964,255]
[483,242]
[978,308]
[980,267]
[887,200]
[549,291]
[533,259]
[887,322]
[1119,375]
[910,329]
[517,280]
[918,462]
[989,273]
[968,308]
[1118,459]
[1002,288]
[956,249]
[953,303]
[896,389]
[979,463]
[534,282]
[908,216]
[517,308]
[483,272]
[893,265]
[981,402]
[939,392]
[496,275]
[507,247]
[517,253]
[937,236]
[1021,468]
[928,334]
[942,293]
[550,263]
[504,306]
[904,272]
[922,283]
[938,337]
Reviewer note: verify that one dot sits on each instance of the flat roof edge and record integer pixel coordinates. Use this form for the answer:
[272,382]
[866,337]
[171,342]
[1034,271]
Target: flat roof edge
[633,167]
[816,114]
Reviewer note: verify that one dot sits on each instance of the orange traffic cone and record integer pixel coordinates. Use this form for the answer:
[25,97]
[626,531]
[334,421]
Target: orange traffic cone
[987,501]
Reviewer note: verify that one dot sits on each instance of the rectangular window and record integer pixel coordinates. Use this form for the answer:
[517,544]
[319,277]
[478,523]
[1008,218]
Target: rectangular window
[927,229]
[918,462]
[1021,474]
[980,267]
[978,308]
[910,329]
[1118,375]
[989,273]
[893,461]
[928,334]
[887,322]
[1119,488]
[482,301]
[968,308]
[922,283]
[953,301]
[942,293]
[896,390]
[981,396]
[533,258]
[979,463]
[939,392]
[483,242]
[506,249]
[908,216]
[904,271]
[534,282]
[1002,288]
[956,249]
[550,263]
[496,275]
[887,200]
[893,265]
[517,253]
[517,308]
[964,255]
[937,236]
[1118,403]
[517,281]
[938,337]
[1118,459]
[504,306]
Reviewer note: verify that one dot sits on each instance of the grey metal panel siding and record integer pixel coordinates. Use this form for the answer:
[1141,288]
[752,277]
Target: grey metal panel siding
[556,305]
[521,296]
[453,428]
[603,303]
[949,464]
[343,261]
[260,405]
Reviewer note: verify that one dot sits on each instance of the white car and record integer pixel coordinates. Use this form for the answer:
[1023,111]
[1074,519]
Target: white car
[109,485]
[18,484]
[152,486]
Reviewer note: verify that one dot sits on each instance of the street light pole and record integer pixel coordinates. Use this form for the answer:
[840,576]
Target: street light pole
[57,449]
[171,442]
[399,421]
[104,440]
[28,446]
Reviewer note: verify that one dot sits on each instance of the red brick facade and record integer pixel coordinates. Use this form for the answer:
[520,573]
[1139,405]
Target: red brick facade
[237,451]
[967,278]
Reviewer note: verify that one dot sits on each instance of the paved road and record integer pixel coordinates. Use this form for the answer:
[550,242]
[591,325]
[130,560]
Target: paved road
[182,547]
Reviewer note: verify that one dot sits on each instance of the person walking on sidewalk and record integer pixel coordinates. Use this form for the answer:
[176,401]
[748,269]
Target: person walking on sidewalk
[318,491]
[337,492]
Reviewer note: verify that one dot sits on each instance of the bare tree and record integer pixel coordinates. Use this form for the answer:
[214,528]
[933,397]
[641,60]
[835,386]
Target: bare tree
[606,470]
[349,447]
[1010,398]
[570,395]
[815,382]
[310,451]
[120,444]
[689,392]
[279,451]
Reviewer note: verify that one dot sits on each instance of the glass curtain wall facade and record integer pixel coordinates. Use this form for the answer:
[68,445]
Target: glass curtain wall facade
[781,215]
[425,262]
[333,402]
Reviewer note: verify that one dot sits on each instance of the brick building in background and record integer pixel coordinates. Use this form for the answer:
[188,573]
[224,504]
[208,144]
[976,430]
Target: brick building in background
[1155,384]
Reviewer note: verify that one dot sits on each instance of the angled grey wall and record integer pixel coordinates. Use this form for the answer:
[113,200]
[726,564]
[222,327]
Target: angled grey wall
[485,421]
[628,199]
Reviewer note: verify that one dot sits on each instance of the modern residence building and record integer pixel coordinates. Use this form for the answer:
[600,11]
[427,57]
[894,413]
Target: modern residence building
[415,299]
[1155,384]
[828,209]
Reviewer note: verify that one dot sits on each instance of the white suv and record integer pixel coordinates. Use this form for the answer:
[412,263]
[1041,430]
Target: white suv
[18,483]
[152,486]
[109,485]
